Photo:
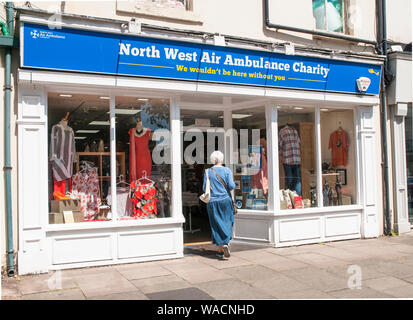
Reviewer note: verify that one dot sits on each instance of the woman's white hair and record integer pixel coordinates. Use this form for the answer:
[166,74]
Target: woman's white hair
[217,157]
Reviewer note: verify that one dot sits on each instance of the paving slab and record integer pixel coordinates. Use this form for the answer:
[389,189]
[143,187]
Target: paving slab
[385,283]
[398,270]
[104,283]
[142,270]
[219,264]
[364,293]
[307,294]
[251,274]
[317,260]
[317,278]
[134,295]
[345,271]
[54,280]
[10,288]
[163,283]
[232,289]
[68,294]
[197,272]
[278,286]
[405,292]
[191,293]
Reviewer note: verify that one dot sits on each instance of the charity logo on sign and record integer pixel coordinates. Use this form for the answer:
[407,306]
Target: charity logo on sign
[34,34]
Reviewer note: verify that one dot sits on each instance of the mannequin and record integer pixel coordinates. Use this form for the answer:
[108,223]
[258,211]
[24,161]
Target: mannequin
[289,147]
[62,157]
[140,157]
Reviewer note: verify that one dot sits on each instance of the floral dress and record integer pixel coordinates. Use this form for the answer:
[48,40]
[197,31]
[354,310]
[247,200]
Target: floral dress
[143,197]
[85,186]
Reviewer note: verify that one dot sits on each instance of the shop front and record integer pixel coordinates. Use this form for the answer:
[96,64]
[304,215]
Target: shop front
[115,131]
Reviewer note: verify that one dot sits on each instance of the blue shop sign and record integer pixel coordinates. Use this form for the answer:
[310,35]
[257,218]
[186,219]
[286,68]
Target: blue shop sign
[88,51]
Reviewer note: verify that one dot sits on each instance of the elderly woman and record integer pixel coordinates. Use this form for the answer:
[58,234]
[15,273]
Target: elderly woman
[220,208]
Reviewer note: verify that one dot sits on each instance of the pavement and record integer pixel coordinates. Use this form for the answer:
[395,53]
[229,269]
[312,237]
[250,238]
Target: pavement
[352,269]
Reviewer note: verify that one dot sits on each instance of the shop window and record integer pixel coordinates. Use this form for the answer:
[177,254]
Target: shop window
[79,159]
[143,140]
[297,161]
[338,157]
[181,4]
[80,166]
[250,159]
[329,15]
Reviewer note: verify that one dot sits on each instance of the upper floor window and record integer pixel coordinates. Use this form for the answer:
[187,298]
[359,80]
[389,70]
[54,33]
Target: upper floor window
[169,9]
[184,4]
[329,15]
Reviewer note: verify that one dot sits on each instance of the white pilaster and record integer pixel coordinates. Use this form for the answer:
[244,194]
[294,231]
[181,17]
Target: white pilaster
[369,221]
[400,192]
[32,179]
[176,157]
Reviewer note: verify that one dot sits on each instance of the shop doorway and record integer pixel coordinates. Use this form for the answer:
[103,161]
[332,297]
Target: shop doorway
[196,125]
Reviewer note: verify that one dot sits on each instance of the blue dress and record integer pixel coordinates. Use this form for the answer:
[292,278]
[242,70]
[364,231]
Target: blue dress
[220,208]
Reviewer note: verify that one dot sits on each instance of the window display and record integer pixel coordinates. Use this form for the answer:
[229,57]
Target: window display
[250,163]
[338,157]
[80,159]
[298,179]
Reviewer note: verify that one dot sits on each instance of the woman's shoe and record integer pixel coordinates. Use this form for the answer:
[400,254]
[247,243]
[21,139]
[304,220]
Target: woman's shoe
[227,252]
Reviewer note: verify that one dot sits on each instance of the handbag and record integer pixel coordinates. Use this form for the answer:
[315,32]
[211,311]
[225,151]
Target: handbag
[229,192]
[206,196]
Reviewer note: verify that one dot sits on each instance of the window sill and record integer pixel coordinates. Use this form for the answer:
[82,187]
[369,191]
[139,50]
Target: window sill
[112,224]
[299,212]
[157,12]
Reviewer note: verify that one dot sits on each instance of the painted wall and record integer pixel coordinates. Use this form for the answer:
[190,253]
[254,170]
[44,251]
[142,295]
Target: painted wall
[243,18]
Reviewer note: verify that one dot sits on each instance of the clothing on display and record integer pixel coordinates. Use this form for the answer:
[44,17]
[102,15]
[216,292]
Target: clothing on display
[85,186]
[62,156]
[293,177]
[123,203]
[140,162]
[260,179]
[289,144]
[143,196]
[63,186]
[338,144]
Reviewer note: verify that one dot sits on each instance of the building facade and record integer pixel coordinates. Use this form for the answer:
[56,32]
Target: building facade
[114,105]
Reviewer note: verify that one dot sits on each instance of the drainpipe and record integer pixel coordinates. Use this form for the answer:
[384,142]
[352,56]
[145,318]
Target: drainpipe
[268,24]
[7,163]
[382,45]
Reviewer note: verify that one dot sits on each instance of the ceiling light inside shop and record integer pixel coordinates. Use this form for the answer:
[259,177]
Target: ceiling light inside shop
[237,116]
[104,98]
[298,108]
[141,99]
[99,123]
[87,131]
[65,95]
[80,138]
[126,111]
[323,109]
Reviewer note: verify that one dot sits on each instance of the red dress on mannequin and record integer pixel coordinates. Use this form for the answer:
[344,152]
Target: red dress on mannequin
[139,155]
